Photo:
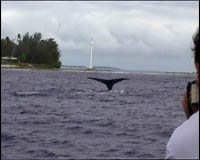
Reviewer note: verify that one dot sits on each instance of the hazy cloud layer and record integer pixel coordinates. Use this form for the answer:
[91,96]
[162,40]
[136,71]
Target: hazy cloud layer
[131,35]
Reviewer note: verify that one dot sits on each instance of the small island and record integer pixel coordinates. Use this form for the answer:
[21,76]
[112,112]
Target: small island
[30,51]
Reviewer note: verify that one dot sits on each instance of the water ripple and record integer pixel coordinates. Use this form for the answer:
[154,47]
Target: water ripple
[7,137]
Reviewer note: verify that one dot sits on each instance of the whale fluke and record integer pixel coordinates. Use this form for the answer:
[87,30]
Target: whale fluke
[108,83]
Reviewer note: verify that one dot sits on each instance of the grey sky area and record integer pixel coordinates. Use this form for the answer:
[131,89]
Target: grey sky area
[135,35]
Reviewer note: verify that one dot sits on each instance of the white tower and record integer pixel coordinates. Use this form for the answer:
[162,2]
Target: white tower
[91,58]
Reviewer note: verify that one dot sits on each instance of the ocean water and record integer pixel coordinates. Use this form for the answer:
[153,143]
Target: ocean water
[62,114]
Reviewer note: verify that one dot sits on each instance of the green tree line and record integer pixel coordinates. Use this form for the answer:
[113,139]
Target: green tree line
[32,49]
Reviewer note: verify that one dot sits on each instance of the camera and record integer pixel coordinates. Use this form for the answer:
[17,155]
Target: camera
[192,97]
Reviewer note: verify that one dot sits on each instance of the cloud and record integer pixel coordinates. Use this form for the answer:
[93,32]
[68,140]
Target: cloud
[126,34]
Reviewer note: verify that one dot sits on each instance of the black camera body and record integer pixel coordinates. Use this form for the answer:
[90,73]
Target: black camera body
[192,97]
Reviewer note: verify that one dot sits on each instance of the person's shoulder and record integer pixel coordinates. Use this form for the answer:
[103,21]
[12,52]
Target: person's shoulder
[184,142]
[188,128]
[190,125]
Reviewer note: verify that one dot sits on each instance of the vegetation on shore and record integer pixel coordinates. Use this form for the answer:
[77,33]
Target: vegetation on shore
[32,51]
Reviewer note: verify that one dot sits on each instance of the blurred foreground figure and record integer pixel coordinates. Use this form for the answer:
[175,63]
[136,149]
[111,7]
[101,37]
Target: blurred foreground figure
[184,142]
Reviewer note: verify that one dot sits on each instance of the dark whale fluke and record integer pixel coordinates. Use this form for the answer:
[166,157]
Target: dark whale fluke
[108,83]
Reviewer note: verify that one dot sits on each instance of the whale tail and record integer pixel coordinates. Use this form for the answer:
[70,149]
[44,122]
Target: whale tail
[108,83]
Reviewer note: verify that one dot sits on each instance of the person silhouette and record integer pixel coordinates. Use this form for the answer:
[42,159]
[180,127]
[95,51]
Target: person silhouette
[184,141]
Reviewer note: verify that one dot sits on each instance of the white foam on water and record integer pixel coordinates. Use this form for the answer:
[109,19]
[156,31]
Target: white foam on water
[103,92]
[121,91]
[79,92]
[27,93]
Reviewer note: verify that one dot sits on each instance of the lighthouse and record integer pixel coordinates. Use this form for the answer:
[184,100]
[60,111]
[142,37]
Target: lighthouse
[91,58]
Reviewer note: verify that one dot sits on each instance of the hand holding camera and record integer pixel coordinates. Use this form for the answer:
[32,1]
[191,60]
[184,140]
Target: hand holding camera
[192,97]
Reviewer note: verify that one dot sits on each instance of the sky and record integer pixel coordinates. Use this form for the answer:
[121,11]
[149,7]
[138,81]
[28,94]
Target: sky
[133,35]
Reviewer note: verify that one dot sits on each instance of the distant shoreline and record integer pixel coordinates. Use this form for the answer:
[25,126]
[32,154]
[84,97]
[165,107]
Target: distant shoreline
[93,70]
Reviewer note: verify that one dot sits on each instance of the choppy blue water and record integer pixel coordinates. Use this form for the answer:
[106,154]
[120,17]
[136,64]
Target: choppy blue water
[62,114]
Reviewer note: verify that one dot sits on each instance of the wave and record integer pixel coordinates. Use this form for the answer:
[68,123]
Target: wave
[29,94]
[6,137]
[38,153]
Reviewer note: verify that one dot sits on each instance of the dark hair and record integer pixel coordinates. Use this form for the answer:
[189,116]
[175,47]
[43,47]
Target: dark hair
[196,46]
